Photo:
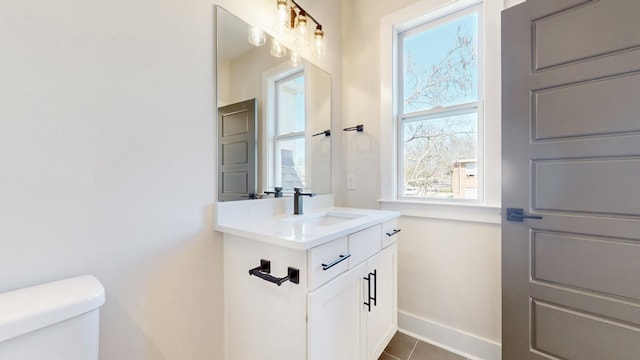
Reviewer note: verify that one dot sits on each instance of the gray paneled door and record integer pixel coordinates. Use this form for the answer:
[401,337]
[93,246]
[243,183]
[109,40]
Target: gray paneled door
[237,154]
[571,155]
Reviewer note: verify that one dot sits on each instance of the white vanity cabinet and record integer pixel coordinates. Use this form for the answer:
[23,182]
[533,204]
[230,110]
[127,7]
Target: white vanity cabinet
[343,307]
[381,320]
[354,316]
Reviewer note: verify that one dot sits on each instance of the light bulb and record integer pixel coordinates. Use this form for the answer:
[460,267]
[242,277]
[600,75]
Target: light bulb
[282,10]
[295,59]
[301,28]
[318,42]
[257,37]
[282,19]
[277,49]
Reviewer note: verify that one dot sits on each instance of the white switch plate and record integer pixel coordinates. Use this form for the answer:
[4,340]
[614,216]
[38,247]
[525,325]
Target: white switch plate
[351,182]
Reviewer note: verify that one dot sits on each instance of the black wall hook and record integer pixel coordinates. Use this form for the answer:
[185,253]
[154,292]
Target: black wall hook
[358,128]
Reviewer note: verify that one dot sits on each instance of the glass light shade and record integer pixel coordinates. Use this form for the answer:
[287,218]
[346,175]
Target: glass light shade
[257,37]
[282,18]
[277,49]
[301,29]
[295,59]
[318,43]
[282,9]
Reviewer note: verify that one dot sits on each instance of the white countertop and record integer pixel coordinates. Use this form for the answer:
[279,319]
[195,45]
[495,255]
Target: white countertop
[291,231]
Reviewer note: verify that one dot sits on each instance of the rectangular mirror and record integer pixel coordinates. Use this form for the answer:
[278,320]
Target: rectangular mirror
[274,116]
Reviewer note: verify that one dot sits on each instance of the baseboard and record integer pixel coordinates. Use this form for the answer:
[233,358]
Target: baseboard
[456,341]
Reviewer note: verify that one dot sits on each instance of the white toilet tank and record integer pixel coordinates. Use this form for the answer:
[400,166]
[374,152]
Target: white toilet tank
[53,321]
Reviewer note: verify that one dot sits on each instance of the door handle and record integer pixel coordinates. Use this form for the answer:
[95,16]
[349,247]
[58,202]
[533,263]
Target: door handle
[518,215]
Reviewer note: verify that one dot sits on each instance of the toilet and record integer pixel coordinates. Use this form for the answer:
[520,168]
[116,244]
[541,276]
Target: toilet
[53,321]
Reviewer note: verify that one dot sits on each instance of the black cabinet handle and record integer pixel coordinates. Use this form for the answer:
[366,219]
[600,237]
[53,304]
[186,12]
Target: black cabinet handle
[368,302]
[372,299]
[335,262]
[264,269]
[395,231]
[375,287]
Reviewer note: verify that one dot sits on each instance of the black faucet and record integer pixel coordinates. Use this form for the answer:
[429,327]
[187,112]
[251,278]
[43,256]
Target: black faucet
[277,192]
[297,200]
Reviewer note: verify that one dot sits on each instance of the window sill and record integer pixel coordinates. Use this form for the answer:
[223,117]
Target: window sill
[444,211]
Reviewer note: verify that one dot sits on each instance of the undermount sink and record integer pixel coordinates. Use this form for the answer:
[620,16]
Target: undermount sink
[324,218]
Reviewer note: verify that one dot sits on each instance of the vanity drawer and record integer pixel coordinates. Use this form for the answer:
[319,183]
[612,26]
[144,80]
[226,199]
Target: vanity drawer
[327,256]
[390,232]
[364,244]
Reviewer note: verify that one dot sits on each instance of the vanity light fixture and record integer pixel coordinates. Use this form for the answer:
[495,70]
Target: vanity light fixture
[291,16]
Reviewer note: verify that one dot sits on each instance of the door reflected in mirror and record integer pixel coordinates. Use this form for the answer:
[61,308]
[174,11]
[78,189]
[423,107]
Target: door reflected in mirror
[274,116]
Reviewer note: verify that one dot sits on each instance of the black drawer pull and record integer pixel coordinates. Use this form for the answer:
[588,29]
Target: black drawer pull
[335,262]
[264,269]
[395,231]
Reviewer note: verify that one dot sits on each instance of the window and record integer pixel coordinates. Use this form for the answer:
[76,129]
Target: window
[475,178]
[438,101]
[289,135]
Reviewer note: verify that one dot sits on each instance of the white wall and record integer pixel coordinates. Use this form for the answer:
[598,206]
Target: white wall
[106,165]
[449,279]
[107,160]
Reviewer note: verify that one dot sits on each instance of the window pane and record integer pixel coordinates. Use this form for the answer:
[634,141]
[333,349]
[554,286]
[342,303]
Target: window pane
[440,65]
[291,163]
[290,105]
[440,157]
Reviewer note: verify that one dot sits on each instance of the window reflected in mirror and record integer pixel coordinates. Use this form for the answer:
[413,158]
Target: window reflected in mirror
[289,124]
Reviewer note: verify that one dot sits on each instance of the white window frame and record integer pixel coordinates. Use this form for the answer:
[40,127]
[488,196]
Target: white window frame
[439,112]
[487,209]
[283,137]
[269,131]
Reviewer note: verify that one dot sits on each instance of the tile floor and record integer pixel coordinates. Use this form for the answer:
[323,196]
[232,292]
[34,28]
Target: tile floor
[404,347]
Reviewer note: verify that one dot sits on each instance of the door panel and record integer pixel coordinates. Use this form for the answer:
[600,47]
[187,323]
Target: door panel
[585,262]
[235,120]
[596,29]
[234,183]
[571,154]
[562,112]
[565,333]
[602,185]
[237,154]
